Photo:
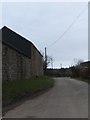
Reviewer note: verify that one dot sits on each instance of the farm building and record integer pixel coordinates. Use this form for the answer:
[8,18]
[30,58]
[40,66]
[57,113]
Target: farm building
[20,58]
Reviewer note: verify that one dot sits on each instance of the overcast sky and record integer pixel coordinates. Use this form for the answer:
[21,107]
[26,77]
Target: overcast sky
[44,23]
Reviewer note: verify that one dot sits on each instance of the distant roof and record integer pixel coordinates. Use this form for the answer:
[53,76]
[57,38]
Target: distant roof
[87,63]
[16,41]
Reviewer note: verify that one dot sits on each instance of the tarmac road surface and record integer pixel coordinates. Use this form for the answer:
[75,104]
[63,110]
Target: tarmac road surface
[67,99]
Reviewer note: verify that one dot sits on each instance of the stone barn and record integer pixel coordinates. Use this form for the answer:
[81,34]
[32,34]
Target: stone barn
[20,58]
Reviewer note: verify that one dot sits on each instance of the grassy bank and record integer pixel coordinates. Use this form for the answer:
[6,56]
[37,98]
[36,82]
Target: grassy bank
[83,79]
[15,90]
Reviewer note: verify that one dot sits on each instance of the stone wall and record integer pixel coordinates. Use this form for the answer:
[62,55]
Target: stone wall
[16,66]
[0,64]
[0,79]
[36,62]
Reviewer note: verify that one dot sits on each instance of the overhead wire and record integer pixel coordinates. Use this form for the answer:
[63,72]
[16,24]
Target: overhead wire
[69,27]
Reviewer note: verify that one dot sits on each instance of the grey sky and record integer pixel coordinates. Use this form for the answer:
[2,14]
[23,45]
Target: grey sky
[43,23]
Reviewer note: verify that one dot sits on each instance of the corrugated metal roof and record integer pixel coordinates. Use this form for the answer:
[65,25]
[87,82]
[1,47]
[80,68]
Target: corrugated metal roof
[16,41]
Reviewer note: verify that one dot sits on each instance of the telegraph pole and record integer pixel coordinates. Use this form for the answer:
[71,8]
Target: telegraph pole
[45,58]
[52,63]
[60,65]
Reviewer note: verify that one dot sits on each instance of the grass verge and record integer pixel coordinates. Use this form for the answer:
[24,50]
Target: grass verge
[83,79]
[17,89]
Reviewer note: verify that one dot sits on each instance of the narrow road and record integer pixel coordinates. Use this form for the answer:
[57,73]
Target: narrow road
[67,99]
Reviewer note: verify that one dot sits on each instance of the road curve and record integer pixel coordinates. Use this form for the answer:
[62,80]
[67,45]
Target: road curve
[67,99]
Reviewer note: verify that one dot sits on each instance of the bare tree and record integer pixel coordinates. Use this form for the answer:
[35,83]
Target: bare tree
[47,61]
[77,62]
